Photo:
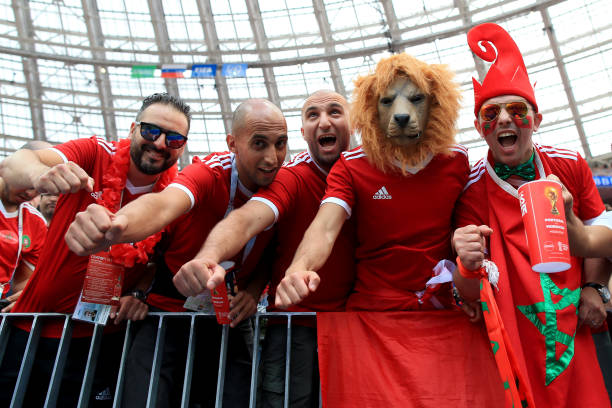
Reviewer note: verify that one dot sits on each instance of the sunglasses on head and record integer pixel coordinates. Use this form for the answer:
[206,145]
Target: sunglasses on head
[491,111]
[152,132]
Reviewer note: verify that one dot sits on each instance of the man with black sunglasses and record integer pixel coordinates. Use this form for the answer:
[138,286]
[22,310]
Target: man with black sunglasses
[542,313]
[86,171]
[202,195]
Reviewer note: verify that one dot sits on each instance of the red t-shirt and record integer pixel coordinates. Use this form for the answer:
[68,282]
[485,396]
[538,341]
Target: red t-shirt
[207,183]
[57,281]
[403,223]
[295,196]
[539,311]
[34,231]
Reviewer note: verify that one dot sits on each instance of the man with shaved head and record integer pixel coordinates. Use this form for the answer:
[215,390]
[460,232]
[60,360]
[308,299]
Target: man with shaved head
[202,194]
[289,204]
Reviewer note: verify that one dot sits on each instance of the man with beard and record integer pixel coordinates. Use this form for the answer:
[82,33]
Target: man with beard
[201,195]
[288,204]
[86,171]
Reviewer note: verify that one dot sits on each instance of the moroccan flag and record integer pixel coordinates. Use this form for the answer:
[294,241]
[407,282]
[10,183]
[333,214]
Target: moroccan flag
[406,359]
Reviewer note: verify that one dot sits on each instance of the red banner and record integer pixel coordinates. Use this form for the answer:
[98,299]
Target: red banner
[406,359]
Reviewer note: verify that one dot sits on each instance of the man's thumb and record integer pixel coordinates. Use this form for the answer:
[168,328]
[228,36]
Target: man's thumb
[485,230]
[217,278]
[313,281]
[118,225]
[90,185]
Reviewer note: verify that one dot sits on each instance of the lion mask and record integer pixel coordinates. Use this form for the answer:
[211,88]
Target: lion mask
[406,112]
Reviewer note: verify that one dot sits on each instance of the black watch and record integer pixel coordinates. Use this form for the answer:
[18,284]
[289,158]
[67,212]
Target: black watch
[139,294]
[603,291]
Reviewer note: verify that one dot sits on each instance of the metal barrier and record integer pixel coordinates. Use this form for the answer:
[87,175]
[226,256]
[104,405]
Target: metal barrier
[94,349]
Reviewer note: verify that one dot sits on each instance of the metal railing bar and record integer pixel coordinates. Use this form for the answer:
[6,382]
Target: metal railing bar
[5,332]
[255,364]
[90,368]
[222,363]
[160,342]
[288,361]
[27,363]
[60,362]
[127,344]
[61,357]
[189,363]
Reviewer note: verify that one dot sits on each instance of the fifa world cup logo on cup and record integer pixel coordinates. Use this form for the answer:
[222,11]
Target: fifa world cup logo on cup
[552,195]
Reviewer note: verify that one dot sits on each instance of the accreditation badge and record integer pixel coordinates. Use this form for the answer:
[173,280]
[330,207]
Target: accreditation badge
[101,289]
[201,303]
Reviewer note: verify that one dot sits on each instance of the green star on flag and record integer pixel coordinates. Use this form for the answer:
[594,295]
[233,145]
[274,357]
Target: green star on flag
[549,329]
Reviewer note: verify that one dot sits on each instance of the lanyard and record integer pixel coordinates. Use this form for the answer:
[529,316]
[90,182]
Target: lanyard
[230,206]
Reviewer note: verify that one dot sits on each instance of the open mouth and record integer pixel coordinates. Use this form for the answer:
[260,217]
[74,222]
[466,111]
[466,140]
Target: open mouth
[327,140]
[268,171]
[507,139]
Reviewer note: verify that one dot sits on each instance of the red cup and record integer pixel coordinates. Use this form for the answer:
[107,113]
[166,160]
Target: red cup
[219,297]
[543,214]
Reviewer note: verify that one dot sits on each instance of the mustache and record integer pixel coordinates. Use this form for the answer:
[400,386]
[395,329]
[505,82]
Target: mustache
[150,147]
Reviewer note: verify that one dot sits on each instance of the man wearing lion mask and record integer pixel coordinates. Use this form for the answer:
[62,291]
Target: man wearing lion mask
[400,187]
[406,114]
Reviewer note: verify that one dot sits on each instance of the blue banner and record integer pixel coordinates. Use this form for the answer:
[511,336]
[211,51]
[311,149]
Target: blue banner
[603,181]
[203,70]
[234,70]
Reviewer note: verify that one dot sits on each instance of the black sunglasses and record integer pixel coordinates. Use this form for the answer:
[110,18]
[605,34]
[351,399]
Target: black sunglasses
[151,132]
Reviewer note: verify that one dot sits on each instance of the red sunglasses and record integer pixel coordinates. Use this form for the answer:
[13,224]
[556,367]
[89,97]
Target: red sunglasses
[491,111]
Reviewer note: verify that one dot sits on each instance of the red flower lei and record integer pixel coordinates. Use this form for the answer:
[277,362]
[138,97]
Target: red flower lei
[113,184]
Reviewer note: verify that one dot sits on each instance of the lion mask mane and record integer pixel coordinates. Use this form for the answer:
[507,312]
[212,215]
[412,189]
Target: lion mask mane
[439,135]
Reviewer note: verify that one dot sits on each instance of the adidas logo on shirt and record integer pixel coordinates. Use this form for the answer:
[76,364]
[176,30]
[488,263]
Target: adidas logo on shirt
[382,194]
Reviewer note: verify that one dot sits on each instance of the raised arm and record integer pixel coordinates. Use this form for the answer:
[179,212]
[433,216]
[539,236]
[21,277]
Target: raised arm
[96,228]
[45,171]
[469,243]
[592,310]
[589,240]
[225,240]
[301,277]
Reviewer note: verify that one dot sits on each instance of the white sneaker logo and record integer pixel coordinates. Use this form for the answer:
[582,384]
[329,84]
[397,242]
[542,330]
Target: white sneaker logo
[382,194]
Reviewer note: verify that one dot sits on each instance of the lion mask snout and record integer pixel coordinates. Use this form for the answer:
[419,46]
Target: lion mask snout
[402,112]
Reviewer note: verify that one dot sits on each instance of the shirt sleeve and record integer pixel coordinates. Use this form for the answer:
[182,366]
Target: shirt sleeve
[83,151]
[280,194]
[589,204]
[198,181]
[339,187]
[470,208]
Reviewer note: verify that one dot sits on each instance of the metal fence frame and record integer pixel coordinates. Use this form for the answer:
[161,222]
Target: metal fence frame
[94,348]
